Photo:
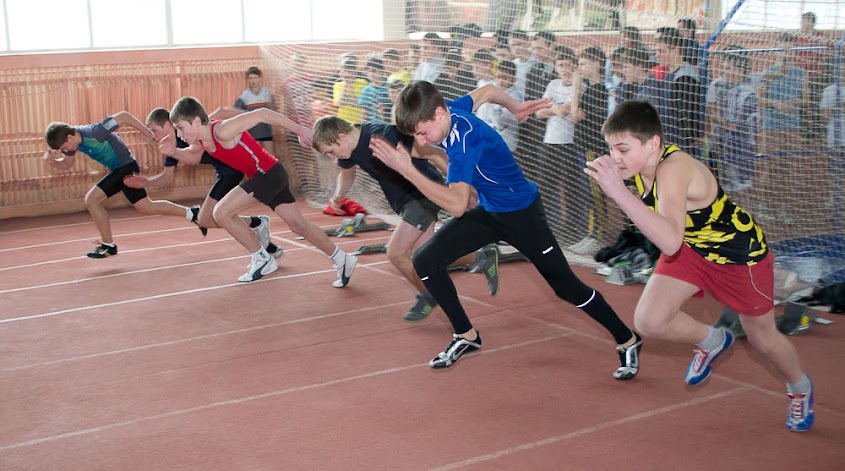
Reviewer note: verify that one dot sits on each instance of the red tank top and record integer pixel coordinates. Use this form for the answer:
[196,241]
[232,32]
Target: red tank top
[247,156]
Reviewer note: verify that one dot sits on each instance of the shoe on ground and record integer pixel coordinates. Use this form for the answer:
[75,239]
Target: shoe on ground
[699,367]
[344,271]
[629,360]
[263,231]
[261,265]
[487,262]
[801,416]
[102,251]
[278,253]
[457,347]
[195,214]
[587,246]
[421,309]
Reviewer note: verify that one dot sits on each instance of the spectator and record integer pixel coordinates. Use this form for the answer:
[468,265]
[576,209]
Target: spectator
[482,67]
[520,46]
[347,91]
[782,93]
[541,72]
[831,101]
[635,65]
[374,99]
[394,87]
[811,55]
[454,80]
[691,49]
[433,58]
[629,37]
[394,67]
[738,113]
[497,116]
[412,58]
[558,148]
[257,96]
[678,96]
[589,110]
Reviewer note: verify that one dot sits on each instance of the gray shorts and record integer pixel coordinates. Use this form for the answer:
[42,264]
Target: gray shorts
[420,213]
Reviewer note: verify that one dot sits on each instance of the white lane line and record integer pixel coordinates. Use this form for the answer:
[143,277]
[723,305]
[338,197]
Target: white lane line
[73,224]
[173,294]
[176,246]
[91,223]
[198,338]
[587,430]
[84,239]
[241,400]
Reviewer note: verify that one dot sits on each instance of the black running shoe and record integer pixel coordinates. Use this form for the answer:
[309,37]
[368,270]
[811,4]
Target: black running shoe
[457,347]
[103,251]
[195,214]
[629,360]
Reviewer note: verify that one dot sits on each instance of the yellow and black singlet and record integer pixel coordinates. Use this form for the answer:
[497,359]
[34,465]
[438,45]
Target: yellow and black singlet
[722,232]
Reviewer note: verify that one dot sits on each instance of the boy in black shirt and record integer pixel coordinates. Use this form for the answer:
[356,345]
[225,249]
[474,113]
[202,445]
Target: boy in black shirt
[589,110]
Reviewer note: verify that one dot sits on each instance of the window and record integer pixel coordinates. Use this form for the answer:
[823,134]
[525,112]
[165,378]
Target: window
[111,27]
[207,21]
[47,24]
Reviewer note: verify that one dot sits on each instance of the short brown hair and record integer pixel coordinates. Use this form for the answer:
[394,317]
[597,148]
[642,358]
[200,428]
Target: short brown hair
[253,71]
[57,133]
[186,109]
[637,118]
[417,103]
[327,130]
[159,116]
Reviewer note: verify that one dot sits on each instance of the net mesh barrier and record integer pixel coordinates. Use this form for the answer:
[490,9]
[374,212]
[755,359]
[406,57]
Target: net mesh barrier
[750,93]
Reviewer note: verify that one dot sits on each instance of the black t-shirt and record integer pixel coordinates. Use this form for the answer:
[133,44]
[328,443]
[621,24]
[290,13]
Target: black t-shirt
[397,189]
[219,167]
[588,131]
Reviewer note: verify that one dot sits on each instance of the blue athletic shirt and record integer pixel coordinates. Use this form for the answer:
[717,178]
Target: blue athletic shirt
[479,156]
[219,167]
[99,143]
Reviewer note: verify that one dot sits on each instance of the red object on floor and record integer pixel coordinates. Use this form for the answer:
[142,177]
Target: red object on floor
[349,207]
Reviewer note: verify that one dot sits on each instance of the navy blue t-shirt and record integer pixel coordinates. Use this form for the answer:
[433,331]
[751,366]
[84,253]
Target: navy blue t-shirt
[479,156]
[219,167]
[397,189]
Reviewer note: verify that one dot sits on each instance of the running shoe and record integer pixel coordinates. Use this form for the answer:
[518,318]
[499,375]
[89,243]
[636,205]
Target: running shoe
[420,310]
[629,360]
[801,416]
[344,270]
[699,367]
[103,251]
[261,264]
[457,347]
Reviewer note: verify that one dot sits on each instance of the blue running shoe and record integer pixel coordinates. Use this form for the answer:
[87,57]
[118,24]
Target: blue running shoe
[801,416]
[699,367]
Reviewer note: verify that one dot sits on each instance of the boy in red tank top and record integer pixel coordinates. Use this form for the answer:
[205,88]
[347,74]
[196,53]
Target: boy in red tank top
[267,181]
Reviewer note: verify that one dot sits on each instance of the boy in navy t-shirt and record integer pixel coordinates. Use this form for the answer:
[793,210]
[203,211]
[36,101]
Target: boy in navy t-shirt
[508,209]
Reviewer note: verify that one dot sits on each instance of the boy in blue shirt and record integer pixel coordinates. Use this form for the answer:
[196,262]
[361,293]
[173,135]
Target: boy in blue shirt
[508,209]
[374,98]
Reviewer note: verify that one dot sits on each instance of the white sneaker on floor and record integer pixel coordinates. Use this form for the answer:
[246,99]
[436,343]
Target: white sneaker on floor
[344,271]
[587,246]
[262,264]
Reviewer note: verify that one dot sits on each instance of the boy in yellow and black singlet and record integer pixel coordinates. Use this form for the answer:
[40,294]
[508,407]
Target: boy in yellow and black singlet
[708,243]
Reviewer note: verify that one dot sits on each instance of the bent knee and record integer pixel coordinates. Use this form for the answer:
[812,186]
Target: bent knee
[648,324]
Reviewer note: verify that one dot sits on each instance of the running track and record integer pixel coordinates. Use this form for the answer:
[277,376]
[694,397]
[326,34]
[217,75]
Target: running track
[158,359]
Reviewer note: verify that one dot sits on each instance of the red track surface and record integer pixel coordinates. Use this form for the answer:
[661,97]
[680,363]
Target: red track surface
[159,359]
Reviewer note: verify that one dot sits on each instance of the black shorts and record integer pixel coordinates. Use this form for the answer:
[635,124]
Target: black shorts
[224,185]
[271,188]
[113,182]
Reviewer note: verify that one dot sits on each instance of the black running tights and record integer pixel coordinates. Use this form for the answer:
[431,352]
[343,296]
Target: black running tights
[527,231]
